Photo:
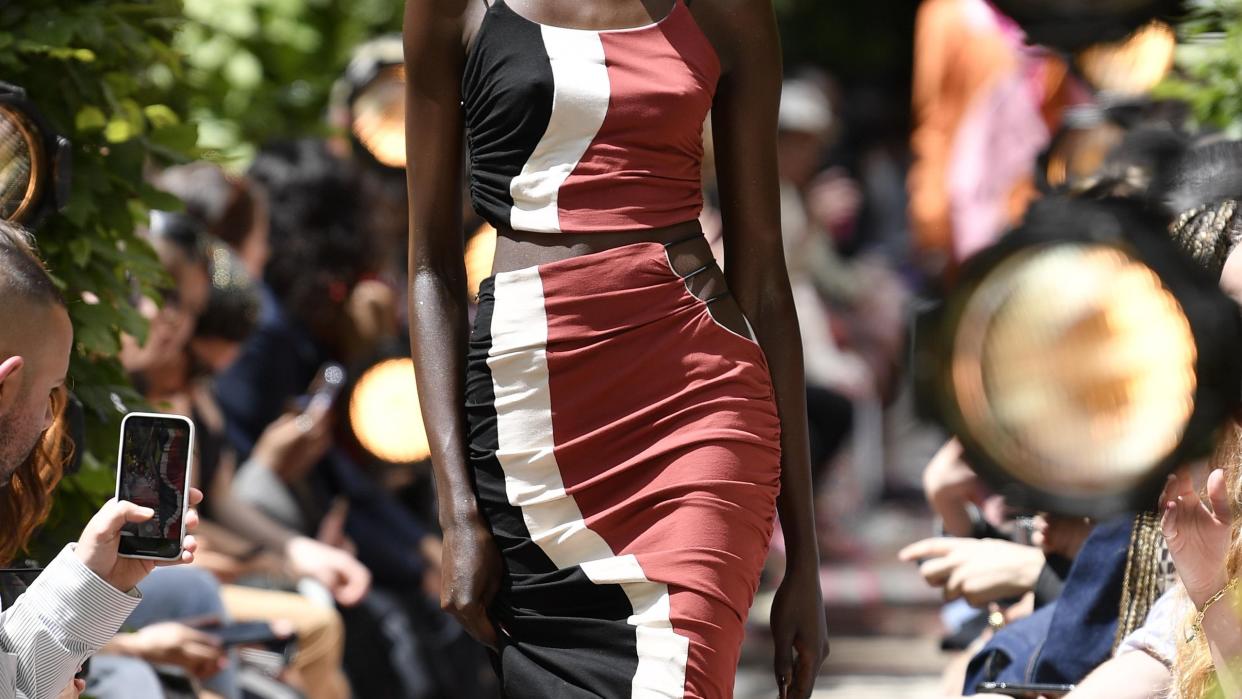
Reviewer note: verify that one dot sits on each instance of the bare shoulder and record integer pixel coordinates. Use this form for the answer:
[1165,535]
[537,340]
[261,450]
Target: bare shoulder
[436,30]
[424,17]
[737,28]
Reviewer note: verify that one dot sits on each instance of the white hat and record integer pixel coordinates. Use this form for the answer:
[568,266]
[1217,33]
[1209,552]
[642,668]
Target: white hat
[805,108]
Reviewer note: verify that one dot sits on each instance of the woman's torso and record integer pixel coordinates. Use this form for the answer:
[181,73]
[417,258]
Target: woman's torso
[586,139]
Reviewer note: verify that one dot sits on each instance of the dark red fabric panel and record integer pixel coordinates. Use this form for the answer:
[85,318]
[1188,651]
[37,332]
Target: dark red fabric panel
[643,169]
[667,438]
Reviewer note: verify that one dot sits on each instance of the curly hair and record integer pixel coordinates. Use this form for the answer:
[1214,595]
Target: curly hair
[319,250]
[27,497]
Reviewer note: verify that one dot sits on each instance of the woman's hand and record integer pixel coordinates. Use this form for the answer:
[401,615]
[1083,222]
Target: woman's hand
[800,631]
[471,568]
[1198,533]
[979,570]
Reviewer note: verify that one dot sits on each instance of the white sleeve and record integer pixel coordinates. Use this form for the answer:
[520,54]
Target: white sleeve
[1157,636]
[59,622]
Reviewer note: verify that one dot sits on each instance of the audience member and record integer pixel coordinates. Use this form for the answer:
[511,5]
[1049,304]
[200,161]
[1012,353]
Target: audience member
[81,599]
[239,541]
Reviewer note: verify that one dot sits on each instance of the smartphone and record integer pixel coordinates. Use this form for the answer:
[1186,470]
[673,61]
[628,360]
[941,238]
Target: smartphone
[325,388]
[153,470]
[1025,691]
[247,633]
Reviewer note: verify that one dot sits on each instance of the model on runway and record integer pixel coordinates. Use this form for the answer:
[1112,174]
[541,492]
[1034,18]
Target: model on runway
[614,437]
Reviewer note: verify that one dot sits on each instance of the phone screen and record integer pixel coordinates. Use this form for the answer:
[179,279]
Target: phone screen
[154,473]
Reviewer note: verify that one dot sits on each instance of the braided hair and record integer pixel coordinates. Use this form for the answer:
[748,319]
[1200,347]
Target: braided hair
[1201,194]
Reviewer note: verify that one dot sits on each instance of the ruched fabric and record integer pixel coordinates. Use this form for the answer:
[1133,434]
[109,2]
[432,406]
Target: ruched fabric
[625,448]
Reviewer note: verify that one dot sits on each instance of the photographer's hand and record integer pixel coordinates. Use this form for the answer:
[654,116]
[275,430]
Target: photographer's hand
[292,444]
[98,546]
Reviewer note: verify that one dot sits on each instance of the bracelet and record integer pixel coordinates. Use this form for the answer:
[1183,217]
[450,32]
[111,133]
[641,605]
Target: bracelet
[1197,628]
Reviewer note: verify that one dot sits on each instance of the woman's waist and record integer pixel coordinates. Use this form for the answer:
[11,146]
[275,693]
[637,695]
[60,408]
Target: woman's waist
[518,249]
[606,282]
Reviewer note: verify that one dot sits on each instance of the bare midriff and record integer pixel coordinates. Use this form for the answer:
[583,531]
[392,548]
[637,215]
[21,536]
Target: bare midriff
[520,249]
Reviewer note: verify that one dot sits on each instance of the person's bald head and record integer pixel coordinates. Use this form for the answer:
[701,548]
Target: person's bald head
[35,340]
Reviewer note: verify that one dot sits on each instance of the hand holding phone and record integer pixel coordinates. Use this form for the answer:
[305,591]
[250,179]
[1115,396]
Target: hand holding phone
[153,485]
[99,546]
[295,442]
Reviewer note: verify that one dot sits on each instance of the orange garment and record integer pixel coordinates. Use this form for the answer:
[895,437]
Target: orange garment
[959,52]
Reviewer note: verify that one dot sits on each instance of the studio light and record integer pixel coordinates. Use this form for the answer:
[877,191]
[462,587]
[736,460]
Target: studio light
[372,95]
[34,161]
[1081,359]
[1130,67]
[384,415]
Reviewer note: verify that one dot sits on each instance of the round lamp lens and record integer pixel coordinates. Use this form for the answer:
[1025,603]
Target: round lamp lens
[21,163]
[384,413]
[378,116]
[1074,369]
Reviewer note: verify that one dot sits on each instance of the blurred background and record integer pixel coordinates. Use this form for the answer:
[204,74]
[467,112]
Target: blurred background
[218,186]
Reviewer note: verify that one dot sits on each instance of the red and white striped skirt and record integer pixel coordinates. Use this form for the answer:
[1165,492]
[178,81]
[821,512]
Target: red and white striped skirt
[626,454]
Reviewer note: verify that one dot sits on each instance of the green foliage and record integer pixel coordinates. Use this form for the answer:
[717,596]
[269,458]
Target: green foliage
[105,75]
[1209,61]
[260,69]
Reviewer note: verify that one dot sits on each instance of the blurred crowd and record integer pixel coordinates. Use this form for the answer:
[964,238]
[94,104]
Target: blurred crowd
[285,277]
[1009,131]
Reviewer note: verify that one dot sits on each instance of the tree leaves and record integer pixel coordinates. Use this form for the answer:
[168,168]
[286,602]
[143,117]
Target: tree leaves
[1209,60]
[93,69]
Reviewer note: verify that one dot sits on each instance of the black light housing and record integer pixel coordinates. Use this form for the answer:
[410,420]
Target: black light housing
[371,95]
[1071,25]
[1081,359]
[34,161]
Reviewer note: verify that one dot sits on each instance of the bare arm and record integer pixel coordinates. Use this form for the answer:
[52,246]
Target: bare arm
[744,126]
[1133,675]
[1224,637]
[434,56]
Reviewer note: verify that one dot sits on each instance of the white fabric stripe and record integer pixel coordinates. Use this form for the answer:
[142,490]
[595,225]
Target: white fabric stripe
[518,363]
[62,619]
[580,93]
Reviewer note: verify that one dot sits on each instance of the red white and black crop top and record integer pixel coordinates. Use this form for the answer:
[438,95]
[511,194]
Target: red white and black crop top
[575,130]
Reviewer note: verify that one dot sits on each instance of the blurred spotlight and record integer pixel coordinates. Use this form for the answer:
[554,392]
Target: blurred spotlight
[1081,359]
[1132,66]
[34,161]
[1072,25]
[371,94]
[384,415]
[480,249]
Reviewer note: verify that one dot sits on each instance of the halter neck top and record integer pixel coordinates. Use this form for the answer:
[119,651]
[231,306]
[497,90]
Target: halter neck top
[573,130]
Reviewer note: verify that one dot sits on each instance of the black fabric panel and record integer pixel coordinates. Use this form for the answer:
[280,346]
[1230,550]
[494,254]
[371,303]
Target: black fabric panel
[507,91]
[568,638]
